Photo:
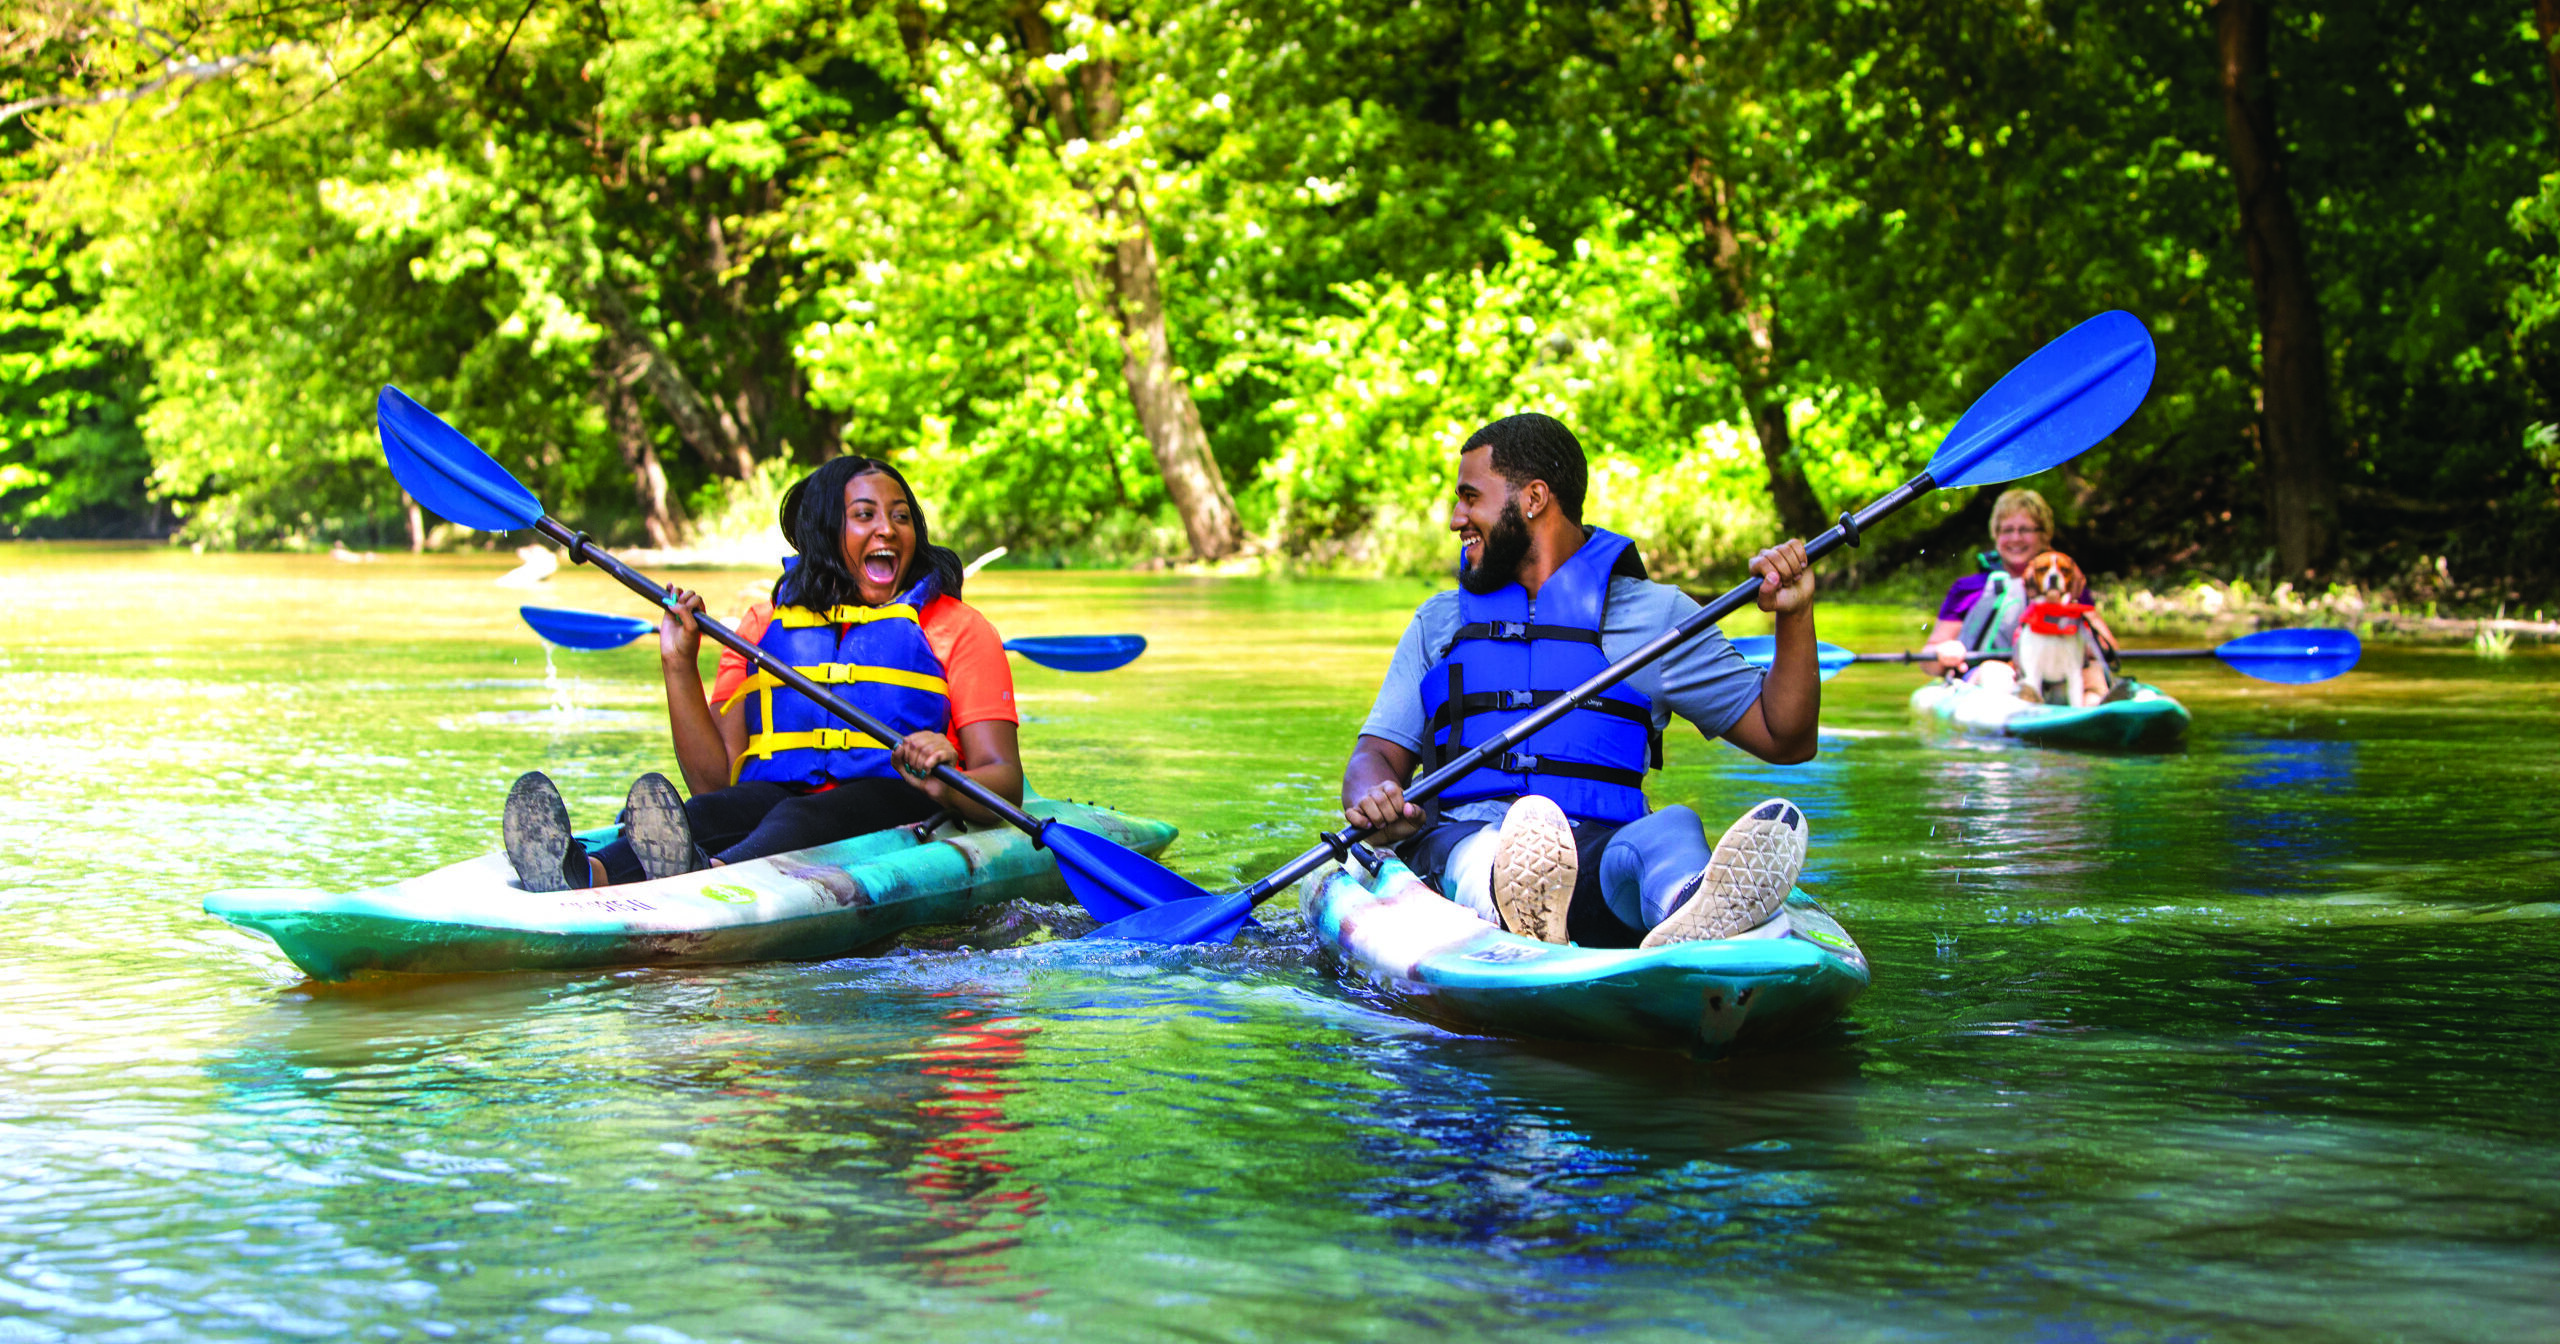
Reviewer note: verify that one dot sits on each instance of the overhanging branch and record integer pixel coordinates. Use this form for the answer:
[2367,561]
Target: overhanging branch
[191,72]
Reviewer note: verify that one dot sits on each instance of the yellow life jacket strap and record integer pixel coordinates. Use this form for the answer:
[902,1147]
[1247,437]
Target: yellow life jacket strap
[765,746]
[799,618]
[842,674]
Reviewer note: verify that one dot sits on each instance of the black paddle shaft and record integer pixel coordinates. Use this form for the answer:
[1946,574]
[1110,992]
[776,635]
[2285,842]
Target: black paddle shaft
[1338,844]
[585,551]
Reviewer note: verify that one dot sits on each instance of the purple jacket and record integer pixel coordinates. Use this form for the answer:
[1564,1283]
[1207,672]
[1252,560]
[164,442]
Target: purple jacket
[1964,592]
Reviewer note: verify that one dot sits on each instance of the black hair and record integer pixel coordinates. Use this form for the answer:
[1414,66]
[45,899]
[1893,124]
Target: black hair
[1533,447]
[813,522]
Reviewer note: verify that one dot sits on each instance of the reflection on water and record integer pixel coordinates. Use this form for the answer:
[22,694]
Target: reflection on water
[2247,1041]
[2287,835]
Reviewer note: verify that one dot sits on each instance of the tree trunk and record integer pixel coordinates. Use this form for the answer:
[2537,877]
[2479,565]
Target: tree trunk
[1164,405]
[417,524]
[1756,360]
[1799,509]
[2294,450]
[2546,21]
[1136,298]
[711,433]
[658,521]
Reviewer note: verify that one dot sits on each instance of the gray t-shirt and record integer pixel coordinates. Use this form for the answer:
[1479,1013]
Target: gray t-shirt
[1703,680]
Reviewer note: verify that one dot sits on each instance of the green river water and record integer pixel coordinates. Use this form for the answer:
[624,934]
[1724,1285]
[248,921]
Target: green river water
[2249,1041]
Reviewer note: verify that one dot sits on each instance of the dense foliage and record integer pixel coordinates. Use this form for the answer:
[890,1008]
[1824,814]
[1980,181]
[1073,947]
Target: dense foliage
[1167,279]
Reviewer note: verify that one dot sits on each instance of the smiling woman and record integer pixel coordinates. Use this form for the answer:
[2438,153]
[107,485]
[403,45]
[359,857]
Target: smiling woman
[870,605]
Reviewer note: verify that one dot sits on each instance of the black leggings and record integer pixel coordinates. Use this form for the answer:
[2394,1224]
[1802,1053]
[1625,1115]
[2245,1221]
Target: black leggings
[752,820]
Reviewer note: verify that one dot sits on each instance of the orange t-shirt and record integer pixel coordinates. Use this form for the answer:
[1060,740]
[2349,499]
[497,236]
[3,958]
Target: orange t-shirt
[974,669]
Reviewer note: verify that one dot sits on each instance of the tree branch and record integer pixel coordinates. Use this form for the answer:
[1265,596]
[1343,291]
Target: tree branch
[193,72]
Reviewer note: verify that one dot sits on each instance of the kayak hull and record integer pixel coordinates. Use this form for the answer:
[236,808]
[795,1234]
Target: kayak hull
[1434,959]
[805,905]
[2151,720]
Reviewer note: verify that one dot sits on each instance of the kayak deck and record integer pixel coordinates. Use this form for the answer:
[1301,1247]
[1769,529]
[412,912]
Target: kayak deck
[1437,960]
[2150,720]
[804,905]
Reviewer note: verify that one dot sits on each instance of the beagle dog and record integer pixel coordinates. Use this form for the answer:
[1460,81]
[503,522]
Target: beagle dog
[2052,642]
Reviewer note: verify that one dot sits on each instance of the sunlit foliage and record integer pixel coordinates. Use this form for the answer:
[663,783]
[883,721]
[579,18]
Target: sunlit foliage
[1758,254]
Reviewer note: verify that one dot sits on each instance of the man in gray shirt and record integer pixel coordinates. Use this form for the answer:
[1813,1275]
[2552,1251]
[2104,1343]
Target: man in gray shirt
[1555,841]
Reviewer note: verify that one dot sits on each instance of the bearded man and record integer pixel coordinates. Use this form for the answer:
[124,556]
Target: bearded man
[1555,840]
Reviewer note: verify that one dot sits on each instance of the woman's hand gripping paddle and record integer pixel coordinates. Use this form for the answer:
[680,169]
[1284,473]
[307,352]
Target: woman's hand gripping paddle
[2289,657]
[2057,403]
[594,631]
[448,474]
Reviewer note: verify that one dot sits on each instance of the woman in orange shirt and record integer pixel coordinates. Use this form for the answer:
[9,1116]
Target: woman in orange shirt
[871,609]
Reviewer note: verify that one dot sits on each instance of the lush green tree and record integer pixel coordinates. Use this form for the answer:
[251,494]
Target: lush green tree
[1146,279]
[71,457]
[2026,164]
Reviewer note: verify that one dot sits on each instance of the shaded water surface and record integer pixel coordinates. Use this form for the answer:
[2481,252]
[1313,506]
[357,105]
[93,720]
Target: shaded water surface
[2246,1042]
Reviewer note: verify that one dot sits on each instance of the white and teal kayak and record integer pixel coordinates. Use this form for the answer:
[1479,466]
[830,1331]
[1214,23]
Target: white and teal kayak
[2148,720]
[1437,960]
[804,905]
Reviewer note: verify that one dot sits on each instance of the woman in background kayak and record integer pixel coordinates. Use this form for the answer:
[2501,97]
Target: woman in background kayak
[1970,618]
[871,609]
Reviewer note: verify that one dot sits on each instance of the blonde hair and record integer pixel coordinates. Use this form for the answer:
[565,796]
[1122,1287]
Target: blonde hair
[2021,500]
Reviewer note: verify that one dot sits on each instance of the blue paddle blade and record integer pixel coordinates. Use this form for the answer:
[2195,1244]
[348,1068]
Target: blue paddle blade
[1761,650]
[1079,653]
[2293,657]
[446,473]
[589,630]
[1112,881]
[1206,919]
[2057,403]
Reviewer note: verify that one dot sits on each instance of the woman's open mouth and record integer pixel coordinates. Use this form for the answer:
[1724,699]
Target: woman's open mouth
[881,566]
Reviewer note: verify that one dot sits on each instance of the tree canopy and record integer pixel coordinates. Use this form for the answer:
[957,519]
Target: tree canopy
[1121,281]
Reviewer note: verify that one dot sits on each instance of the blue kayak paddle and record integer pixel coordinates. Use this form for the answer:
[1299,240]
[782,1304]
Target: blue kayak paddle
[2056,404]
[449,474]
[2289,657]
[594,631]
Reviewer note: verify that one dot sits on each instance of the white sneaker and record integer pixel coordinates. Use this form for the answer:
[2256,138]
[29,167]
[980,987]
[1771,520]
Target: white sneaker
[1746,880]
[1535,868]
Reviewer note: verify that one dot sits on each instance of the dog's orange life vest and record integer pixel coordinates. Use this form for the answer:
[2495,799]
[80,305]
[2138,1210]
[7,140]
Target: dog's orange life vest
[2057,618]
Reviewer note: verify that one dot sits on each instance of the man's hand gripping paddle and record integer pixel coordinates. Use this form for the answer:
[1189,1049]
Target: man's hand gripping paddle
[594,632]
[2289,657]
[448,474]
[2062,400]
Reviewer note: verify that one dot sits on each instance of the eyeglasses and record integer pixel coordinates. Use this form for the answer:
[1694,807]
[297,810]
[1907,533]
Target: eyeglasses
[2022,530]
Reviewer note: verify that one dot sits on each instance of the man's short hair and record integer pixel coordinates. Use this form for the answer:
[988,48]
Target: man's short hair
[1533,447]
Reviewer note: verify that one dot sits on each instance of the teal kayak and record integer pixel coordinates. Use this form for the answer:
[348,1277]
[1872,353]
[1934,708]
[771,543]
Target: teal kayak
[2149,720]
[1435,959]
[804,905]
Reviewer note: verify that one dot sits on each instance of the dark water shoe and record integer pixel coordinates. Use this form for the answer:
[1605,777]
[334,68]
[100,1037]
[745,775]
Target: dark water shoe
[536,828]
[661,838]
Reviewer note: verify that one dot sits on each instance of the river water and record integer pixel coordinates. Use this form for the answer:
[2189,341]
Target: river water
[2250,1041]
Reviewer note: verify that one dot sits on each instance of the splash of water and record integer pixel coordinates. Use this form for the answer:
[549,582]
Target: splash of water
[563,709]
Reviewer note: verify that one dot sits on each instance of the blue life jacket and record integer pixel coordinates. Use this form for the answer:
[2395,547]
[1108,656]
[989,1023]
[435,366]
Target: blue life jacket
[876,657]
[1502,665]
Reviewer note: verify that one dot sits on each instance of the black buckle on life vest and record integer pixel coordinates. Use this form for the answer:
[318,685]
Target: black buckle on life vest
[1516,700]
[1517,763]
[1510,629]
